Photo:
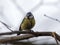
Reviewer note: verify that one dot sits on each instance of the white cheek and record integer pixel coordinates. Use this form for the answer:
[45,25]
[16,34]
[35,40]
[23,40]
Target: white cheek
[25,17]
[31,16]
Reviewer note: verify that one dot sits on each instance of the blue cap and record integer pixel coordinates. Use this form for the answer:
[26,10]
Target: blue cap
[29,14]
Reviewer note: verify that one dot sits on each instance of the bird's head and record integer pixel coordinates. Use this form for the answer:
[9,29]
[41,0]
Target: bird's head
[29,15]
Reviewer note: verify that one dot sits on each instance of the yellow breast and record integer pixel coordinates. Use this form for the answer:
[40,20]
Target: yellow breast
[27,24]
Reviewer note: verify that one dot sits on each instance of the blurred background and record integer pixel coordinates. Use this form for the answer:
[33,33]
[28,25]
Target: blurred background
[12,13]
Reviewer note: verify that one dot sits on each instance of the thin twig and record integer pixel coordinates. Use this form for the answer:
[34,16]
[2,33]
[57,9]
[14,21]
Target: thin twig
[6,26]
[52,18]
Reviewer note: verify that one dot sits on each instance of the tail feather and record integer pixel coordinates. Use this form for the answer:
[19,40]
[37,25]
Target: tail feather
[19,30]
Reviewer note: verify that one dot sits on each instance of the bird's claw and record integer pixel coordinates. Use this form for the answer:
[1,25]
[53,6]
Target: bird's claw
[31,31]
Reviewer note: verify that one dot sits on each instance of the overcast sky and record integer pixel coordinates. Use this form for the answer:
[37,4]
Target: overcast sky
[13,13]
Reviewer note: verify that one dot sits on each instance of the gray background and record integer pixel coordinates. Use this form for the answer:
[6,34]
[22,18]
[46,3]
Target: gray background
[12,13]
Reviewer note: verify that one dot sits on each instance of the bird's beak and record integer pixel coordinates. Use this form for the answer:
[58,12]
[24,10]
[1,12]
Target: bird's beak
[28,17]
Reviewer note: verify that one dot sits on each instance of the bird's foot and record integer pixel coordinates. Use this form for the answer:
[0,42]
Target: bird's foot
[31,31]
[18,34]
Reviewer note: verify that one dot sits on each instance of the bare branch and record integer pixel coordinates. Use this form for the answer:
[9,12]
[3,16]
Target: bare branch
[27,36]
[15,38]
[6,26]
[52,18]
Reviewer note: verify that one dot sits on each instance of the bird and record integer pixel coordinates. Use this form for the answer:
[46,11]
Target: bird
[27,23]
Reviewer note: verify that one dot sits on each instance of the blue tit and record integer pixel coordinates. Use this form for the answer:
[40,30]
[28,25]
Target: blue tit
[27,23]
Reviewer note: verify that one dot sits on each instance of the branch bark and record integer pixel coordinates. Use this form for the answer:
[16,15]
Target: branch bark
[27,36]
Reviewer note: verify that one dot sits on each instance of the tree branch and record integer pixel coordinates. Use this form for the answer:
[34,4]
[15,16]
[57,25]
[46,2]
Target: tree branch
[28,35]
